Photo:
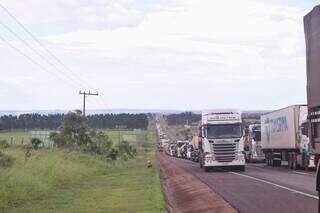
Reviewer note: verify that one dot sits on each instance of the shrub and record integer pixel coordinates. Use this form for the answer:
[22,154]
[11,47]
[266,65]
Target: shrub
[5,160]
[100,143]
[125,148]
[36,142]
[125,157]
[4,144]
[113,155]
[58,139]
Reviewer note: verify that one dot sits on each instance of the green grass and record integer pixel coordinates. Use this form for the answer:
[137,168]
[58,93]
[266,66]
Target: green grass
[128,135]
[15,137]
[61,181]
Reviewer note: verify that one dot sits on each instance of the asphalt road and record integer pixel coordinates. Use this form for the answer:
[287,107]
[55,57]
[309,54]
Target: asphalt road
[260,188]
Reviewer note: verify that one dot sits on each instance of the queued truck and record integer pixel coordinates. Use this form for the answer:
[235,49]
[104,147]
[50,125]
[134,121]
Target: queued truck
[284,138]
[312,32]
[252,144]
[220,134]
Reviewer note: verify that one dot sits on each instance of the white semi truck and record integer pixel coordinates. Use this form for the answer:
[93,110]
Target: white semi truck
[284,137]
[252,143]
[219,143]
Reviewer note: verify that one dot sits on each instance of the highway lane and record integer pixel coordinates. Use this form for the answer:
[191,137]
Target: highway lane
[260,188]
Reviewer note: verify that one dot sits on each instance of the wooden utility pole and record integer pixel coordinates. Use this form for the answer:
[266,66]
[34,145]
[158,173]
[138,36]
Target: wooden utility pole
[84,99]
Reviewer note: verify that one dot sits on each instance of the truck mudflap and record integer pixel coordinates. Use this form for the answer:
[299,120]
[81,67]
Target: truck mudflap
[312,163]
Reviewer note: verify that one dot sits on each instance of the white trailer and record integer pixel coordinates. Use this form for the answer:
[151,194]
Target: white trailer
[284,137]
[220,134]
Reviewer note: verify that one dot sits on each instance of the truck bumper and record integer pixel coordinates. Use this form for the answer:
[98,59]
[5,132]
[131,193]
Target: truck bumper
[214,163]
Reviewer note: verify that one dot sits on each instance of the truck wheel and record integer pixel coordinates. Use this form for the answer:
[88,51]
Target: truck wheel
[268,159]
[294,161]
[306,162]
[242,168]
[290,161]
[278,163]
[206,169]
[272,162]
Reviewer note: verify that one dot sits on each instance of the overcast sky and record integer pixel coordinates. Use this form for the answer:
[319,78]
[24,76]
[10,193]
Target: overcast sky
[154,54]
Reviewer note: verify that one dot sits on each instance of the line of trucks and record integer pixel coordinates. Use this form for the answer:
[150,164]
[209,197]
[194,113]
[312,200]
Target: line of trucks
[288,136]
[220,141]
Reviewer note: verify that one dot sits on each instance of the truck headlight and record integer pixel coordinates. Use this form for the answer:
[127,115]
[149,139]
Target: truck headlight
[208,157]
[240,156]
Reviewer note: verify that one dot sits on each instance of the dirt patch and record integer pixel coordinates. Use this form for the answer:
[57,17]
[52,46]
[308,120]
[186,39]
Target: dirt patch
[185,193]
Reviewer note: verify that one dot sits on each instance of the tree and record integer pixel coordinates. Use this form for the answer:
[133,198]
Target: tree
[36,143]
[53,121]
[73,131]
[100,143]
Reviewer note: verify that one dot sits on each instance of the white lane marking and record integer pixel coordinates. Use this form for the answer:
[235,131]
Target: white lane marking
[277,185]
[303,173]
[271,168]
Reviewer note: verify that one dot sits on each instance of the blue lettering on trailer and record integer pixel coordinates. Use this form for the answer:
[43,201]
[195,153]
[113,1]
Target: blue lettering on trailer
[275,125]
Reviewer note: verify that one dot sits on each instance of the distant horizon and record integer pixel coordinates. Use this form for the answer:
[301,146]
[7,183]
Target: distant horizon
[114,110]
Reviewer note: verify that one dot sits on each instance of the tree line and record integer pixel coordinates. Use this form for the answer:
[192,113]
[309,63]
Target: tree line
[183,118]
[53,121]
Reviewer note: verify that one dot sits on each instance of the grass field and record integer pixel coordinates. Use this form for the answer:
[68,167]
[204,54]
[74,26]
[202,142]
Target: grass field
[20,136]
[15,137]
[61,181]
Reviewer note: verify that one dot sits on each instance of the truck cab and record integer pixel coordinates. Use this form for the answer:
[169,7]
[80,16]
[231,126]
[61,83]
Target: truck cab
[181,146]
[252,144]
[220,139]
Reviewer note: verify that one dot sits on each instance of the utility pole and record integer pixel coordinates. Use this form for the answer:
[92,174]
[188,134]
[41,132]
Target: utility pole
[84,99]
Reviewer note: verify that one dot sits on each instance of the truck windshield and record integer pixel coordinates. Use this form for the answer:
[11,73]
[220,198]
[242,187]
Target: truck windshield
[256,135]
[223,131]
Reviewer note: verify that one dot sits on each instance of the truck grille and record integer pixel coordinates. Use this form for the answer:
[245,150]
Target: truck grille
[224,152]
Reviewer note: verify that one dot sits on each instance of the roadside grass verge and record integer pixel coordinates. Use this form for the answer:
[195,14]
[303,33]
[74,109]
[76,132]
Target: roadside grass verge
[45,169]
[61,181]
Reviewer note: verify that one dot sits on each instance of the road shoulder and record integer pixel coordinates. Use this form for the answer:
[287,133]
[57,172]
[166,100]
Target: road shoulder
[185,193]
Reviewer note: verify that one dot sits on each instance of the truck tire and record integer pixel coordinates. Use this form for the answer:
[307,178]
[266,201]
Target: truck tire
[206,169]
[276,159]
[294,161]
[272,161]
[242,168]
[290,166]
[306,162]
[268,159]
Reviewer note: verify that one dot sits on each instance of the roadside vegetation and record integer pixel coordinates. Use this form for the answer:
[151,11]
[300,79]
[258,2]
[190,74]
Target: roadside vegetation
[88,171]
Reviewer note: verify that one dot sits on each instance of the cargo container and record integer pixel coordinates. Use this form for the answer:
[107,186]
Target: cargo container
[284,137]
[312,32]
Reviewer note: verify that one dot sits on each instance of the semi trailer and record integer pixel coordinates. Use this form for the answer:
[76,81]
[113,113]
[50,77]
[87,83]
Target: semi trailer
[284,138]
[312,32]
[219,144]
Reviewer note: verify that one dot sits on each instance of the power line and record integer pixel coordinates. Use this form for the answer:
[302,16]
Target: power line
[30,59]
[76,80]
[37,53]
[43,46]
